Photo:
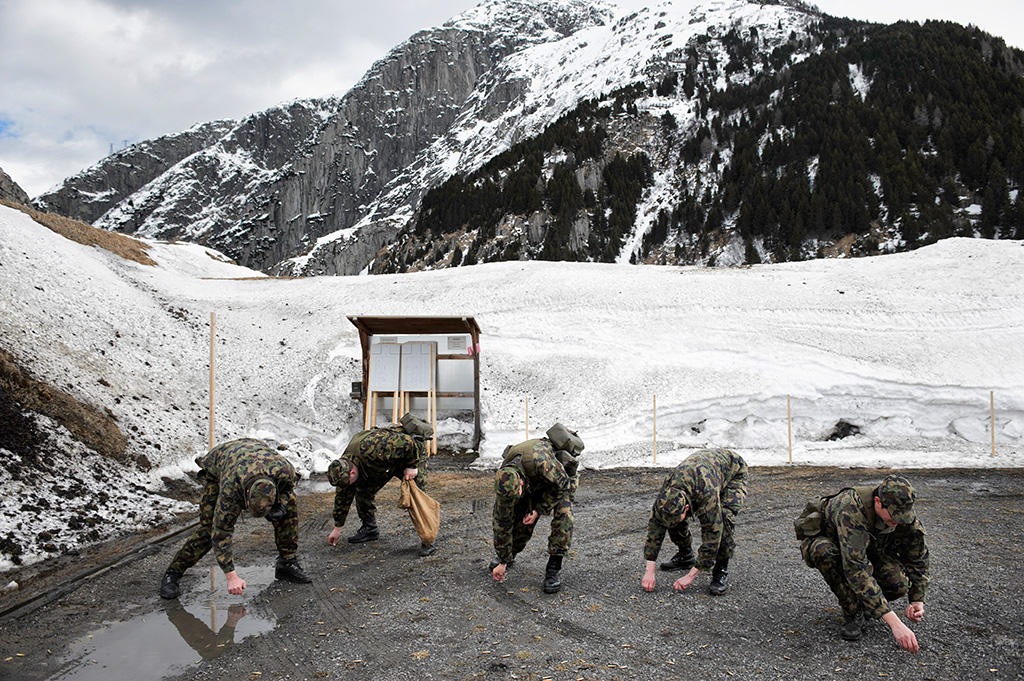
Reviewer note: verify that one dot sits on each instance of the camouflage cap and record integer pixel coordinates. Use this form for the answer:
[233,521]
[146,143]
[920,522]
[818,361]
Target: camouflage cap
[338,473]
[897,496]
[508,483]
[671,505]
[262,495]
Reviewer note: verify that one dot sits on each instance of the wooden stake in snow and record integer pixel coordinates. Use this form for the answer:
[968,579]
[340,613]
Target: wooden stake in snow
[992,414]
[655,438]
[213,336]
[789,422]
[527,418]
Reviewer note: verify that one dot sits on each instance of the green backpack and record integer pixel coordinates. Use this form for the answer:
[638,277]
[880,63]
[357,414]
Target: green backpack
[808,523]
[417,427]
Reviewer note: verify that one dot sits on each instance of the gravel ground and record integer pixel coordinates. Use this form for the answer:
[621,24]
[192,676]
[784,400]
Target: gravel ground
[378,611]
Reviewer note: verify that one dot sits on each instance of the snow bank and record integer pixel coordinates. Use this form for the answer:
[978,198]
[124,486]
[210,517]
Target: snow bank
[905,347]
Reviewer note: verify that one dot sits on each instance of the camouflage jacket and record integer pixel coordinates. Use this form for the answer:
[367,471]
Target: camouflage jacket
[235,466]
[711,481]
[380,454]
[860,535]
[545,483]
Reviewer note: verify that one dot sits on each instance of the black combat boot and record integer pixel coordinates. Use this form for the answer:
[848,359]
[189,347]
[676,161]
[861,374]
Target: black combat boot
[552,584]
[367,532]
[719,578]
[683,560]
[851,629]
[169,585]
[427,550]
[289,570]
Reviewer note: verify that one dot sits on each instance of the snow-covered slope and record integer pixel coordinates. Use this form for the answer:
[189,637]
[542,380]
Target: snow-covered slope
[906,347]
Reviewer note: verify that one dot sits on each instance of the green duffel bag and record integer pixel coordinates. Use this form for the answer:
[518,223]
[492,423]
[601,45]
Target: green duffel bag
[565,439]
[417,427]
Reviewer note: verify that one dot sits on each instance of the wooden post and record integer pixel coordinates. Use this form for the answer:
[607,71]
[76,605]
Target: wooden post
[475,337]
[789,422]
[655,409]
[992,413]
[213,337]
[527,418]
[432,401]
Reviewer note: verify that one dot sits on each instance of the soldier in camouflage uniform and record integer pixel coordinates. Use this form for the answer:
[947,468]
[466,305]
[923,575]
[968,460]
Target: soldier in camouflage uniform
[239,475]
[872,550]
[369,462]
[534,479]
[712,483]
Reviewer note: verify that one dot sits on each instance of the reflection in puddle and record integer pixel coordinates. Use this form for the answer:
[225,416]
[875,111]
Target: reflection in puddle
[201,625]
[314,486]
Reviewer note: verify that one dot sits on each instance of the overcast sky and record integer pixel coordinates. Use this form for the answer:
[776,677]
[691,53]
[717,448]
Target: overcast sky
[82,75]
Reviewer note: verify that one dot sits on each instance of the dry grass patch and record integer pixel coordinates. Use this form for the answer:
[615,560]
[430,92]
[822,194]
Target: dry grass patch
[90,426]
[79,232]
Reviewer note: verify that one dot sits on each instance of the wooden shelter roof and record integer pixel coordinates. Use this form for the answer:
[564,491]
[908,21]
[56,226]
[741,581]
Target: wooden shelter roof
[373,326]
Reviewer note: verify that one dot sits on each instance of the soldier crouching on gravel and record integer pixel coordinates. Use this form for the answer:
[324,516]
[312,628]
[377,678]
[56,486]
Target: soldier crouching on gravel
[871,550]
[536,477]
[239,475]
[369,462]
[712,483]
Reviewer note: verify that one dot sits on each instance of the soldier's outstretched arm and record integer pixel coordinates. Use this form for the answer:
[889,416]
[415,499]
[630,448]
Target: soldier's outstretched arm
[343,497]
[655,536]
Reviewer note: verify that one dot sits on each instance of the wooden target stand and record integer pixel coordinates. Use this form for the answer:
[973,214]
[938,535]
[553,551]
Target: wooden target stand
[401,400]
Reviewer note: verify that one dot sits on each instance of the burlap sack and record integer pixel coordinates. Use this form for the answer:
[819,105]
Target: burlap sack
[423,509]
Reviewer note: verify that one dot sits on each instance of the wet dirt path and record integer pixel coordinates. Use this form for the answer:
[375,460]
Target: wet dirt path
[378,611]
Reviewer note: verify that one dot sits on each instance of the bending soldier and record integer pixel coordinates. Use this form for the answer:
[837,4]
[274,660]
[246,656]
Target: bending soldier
[369,462]
[239,475]
[537,477]
[871,550]
[712,484]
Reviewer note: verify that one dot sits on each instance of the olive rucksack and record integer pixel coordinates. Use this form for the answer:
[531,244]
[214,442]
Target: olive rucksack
[808,523]
[417,427]
[565,439]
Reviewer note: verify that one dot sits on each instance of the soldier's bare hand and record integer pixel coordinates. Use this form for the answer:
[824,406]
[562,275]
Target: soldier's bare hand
[915,611]
[905,638]
[686,580]
[411,473]
[648,582]
[236,585]
[530,518]
[498,573]
[334,536]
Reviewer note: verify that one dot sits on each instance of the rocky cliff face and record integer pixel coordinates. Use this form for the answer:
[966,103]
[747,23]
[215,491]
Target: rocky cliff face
[10,191]
[92,192]
[280,181]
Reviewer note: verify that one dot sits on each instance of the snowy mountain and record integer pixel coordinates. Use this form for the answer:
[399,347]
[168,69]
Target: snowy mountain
[267,189]
[752,131]
[904,348]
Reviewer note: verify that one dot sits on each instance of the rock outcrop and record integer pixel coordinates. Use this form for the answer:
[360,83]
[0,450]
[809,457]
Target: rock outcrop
[10,191]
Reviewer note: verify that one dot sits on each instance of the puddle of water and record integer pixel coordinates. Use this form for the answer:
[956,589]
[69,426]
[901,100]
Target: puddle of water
[315,486]
[201,625]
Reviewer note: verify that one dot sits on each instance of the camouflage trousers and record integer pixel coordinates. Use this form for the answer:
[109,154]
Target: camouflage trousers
[366,506]
[681,537]
[562,523]
[822,553]
[286,531]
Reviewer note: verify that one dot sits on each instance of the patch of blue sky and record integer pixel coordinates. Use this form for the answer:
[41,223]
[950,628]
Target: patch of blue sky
[7,127]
